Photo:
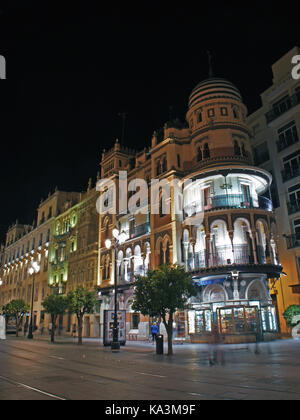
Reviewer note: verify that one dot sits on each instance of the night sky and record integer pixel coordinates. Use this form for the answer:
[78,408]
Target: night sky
[72,68]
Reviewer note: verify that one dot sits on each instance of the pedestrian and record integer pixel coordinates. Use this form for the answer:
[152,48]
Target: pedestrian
[50,328]
[216,353]
[74,330]
[25,328]
[154,331]
[42,328]
[257,340]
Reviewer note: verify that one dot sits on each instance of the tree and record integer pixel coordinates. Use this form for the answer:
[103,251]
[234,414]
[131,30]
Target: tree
[55,305]
[290,313]
[16,309]
[161,293]
[81,302]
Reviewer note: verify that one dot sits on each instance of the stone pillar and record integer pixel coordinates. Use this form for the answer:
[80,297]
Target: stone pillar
[253,236]
[231,233]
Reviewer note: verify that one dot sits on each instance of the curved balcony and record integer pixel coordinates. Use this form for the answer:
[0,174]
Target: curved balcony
[224,258]
[228,201]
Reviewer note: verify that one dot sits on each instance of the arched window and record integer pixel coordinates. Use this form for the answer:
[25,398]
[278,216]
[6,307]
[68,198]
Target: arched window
[158,168]
[237,149]
[164,165]
[167,253]
[244,152]
[161,254]
[235,113]
[199,117]
[199,154]
[206,152]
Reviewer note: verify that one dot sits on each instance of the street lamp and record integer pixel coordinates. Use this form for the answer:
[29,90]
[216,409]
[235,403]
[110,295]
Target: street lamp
[33,270]
[118,238]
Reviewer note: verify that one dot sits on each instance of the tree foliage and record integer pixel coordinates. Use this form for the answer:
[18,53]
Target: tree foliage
[16,309]
[55,305]
[161,293]
[290,313]
[81,302]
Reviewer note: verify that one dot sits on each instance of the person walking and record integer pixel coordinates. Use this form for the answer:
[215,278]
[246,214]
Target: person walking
[154,331]
[216,354]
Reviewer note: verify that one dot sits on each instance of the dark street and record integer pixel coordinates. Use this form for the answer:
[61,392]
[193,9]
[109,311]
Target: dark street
[65,371]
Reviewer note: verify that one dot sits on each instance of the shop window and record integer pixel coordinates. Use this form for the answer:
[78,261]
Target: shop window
[200,322]
[269,319]
[238,320]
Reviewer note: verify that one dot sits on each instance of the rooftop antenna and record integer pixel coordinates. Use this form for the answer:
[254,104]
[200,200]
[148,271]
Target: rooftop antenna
[170,112]
[210,69]
[123,115]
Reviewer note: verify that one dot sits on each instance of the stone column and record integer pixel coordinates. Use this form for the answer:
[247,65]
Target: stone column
[253,236]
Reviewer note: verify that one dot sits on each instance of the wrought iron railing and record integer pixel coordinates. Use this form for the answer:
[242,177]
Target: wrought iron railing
[227,201]
[139,230]
[283,107]
[290,174]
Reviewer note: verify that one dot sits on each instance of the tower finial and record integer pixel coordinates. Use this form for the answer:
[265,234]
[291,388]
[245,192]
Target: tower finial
[210,69]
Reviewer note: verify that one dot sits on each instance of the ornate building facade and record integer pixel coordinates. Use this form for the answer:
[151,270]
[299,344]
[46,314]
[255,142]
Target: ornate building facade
[225,234]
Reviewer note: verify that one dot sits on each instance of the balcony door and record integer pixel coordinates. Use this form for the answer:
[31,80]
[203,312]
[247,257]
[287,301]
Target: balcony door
[246,195]
[206,198]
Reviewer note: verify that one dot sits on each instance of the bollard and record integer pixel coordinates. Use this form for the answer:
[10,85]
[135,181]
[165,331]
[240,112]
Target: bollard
[160,344]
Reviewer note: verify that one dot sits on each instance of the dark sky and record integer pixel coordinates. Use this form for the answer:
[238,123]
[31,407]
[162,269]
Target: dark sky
[72,68]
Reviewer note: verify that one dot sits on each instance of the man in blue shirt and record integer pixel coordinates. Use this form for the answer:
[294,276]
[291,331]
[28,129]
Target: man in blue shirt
[154,331]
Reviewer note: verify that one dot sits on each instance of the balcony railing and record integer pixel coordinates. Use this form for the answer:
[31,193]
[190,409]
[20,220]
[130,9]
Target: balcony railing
[283,107]
[139,230]
[222,256]
[292,241]
[293,207]
[228,201]
[281,145]
[290,174]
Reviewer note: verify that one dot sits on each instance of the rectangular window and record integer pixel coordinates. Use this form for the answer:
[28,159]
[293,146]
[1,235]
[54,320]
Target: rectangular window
[211,112]
[297,229]
[287,135]
[224,111]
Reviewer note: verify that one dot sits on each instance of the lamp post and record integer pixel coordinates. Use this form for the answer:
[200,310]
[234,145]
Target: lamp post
[33,270]
[117,240]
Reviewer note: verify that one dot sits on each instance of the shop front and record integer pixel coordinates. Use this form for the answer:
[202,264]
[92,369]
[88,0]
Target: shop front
[242,322]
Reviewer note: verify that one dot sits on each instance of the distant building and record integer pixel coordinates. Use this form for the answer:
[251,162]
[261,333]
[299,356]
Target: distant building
[275,129]
[74,256]
[25,244]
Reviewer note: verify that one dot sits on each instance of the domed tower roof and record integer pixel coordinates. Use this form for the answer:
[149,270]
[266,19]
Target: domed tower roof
[212,88]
